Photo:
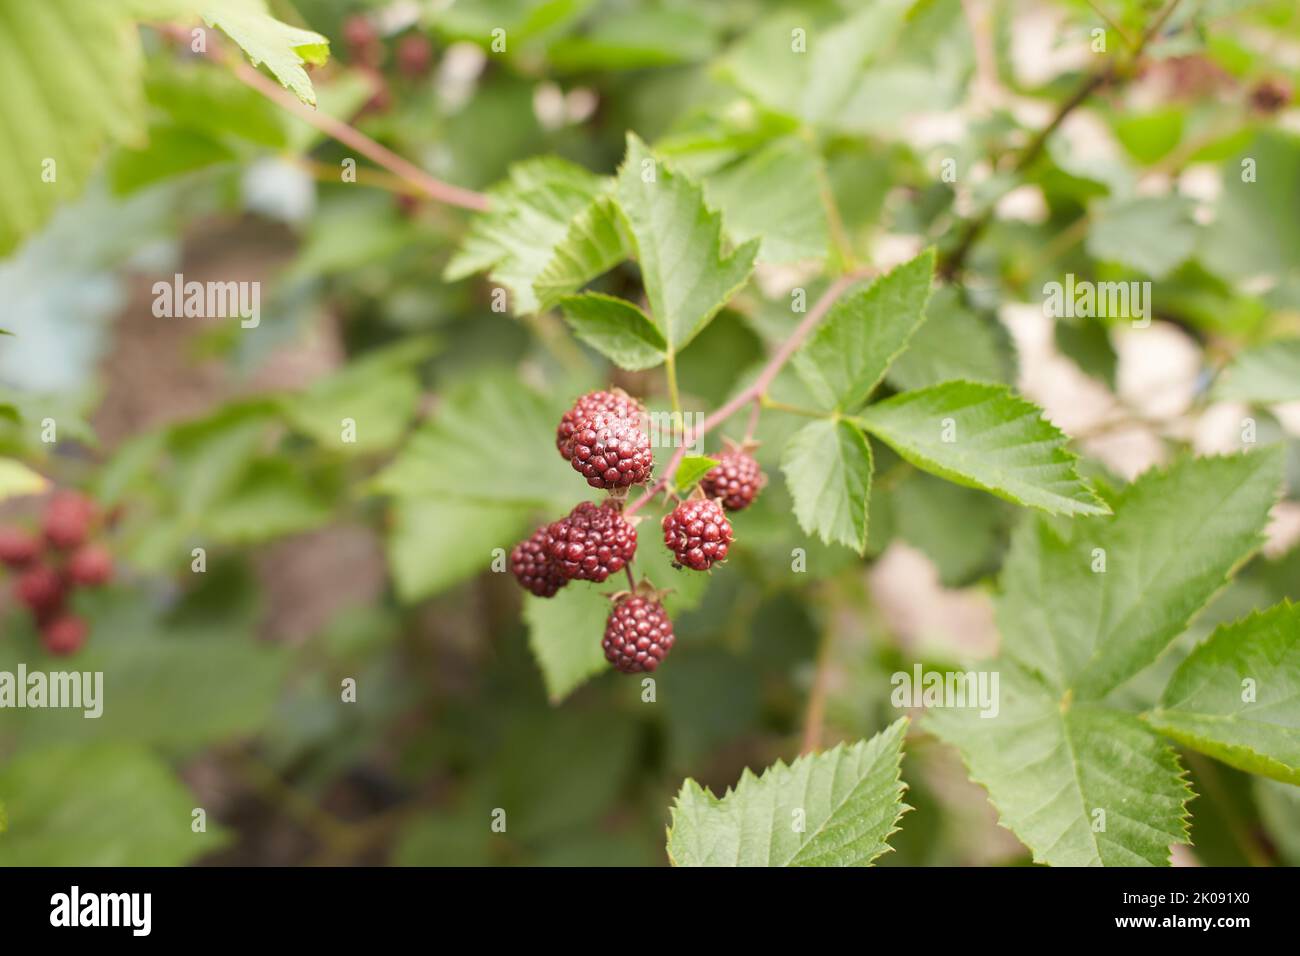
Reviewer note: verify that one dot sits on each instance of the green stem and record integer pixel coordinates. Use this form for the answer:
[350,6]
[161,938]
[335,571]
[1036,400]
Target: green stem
[670,372]
[791,409]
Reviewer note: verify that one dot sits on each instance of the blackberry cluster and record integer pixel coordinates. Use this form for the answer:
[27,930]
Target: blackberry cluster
[736,480]
[638,634]
[698,533]
[603,437]
[51,565]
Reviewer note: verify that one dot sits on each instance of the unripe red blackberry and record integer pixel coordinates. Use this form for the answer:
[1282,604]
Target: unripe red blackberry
[533,568]
[414,56]
[698,533]
[736,479]
[18,547]
[41,588]
[90,565]
[611,451]
[362,39]
[638,634]
[68,520]
[63,635]
[615,402]
[592,543]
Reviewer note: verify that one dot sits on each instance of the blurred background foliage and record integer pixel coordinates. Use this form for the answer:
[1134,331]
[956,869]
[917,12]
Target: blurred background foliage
[370,560]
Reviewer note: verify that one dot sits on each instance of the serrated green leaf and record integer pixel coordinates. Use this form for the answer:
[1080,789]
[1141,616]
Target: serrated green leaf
[283,48]
[70,81]
[1173,540]
[473,447]
[984,436]
[836,808]
[594,244]
[677,240]
[1264,374]
[691,470]
[564,633]
[515,240]
[17,479]
[850,352]
[616,328]
[952,343]
[827,467]
[1203,706]
[1080,784]
[775,195]
[814,81]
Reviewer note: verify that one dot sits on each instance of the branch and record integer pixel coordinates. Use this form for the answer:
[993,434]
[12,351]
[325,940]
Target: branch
[951,264]
[754,392]
[421,181]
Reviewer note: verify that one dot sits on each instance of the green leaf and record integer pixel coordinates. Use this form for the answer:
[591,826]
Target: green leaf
[827,466]
[952,342]
[817,82]
[1256,231]
[616,328]
[1152,234]
[70,81]
[594,244]
[379,393]
[774,194]
[691,470]
[105,805]
[850,352]
[564,633]
[1175,537]
[473,447]
[16,479]
[283,48]
[1263,374]
[516,239]
[435,543]
[678,243]
[836,808]
[1203,706]
[273,497]
[984,436]
[1051,764]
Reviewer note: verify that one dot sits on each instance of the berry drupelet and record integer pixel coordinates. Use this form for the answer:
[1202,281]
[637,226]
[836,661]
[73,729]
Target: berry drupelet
[638,634]
[592,543]
[698,533]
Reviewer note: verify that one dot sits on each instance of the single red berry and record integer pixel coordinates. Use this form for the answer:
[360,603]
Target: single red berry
[90,565]
[638,634]
[614,402]
[361,38]
[698,533]
[1270,95]
[533,568]
[592,543]
[736,479]
[41,588]
[63,635]
[18,547]
[611,451]
[414,56]
[68,519]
